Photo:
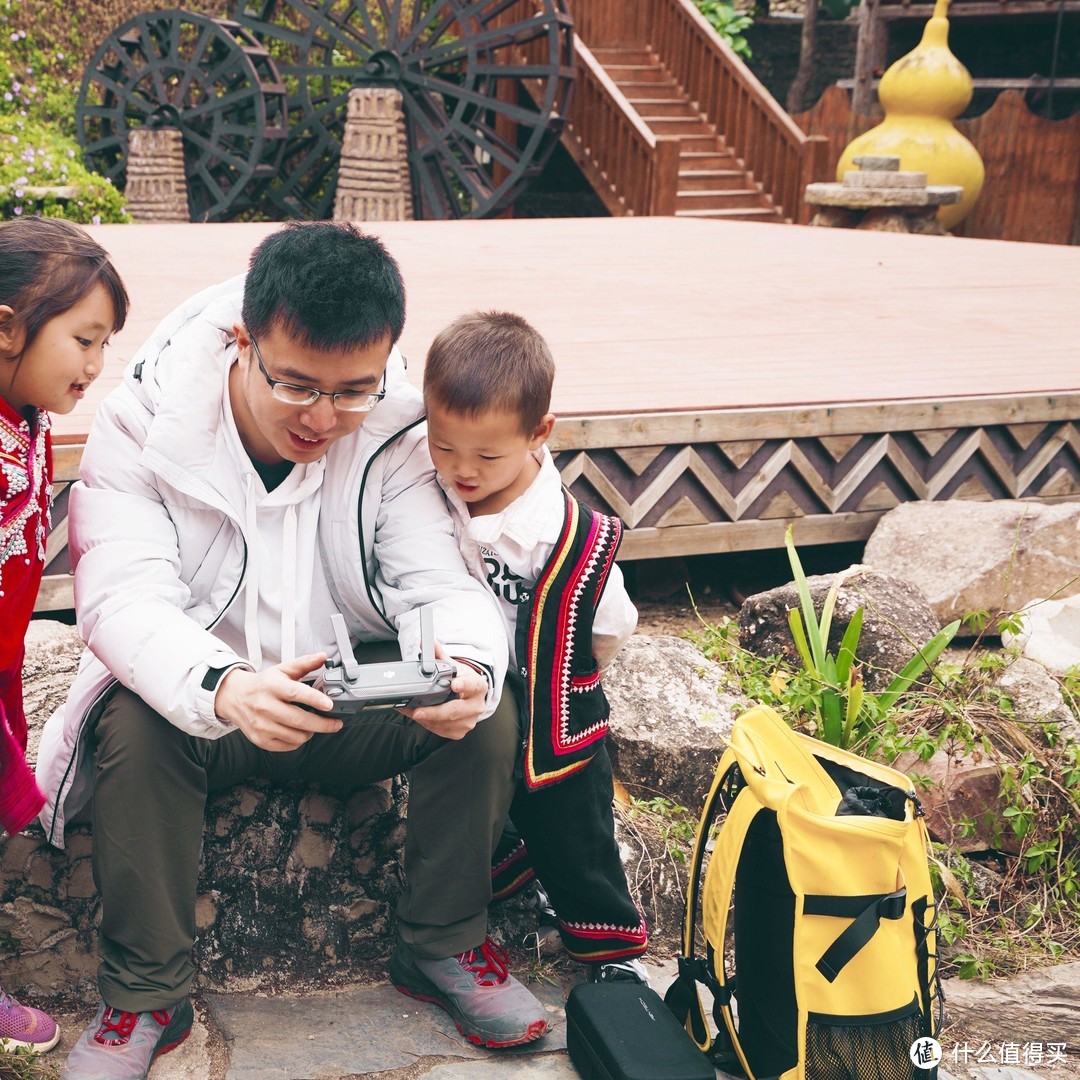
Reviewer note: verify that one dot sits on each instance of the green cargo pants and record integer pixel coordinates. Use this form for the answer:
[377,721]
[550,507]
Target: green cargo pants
[150,791]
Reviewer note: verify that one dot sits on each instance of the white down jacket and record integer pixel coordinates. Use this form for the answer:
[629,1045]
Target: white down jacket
[158,536]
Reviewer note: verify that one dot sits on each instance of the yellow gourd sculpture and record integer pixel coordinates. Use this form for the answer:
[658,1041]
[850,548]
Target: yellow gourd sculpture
[920,94]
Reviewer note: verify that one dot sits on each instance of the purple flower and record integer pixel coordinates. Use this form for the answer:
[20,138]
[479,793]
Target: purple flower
[18,210]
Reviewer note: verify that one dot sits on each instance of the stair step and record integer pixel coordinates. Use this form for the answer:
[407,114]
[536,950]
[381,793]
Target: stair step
[698,148]
[718,156]
[717,200]
[631,73]
[677,125]
[677,108]
[622,54]
[651,88]
[711,179]
[762,213]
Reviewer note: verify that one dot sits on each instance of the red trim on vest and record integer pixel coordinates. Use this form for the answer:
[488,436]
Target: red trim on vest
[558,690]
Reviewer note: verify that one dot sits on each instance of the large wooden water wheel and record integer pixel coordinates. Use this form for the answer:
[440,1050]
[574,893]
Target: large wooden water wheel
[485,84]
[212,79]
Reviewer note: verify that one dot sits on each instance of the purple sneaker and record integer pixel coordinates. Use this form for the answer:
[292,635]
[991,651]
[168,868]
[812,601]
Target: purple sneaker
[23,1027]
[488,1005]
[123,1045]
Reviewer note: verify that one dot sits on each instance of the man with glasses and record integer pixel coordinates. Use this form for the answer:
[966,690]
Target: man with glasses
[260,468]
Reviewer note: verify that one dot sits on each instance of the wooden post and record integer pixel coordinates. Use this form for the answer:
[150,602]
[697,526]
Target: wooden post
[796,98]
[815,165]
[869,55]
[665,176]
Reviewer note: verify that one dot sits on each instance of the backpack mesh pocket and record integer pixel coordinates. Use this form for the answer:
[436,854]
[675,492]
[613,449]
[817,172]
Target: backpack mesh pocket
[864,1047]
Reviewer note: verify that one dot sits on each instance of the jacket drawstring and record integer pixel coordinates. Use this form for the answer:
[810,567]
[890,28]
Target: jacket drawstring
[288,585]
[251,588]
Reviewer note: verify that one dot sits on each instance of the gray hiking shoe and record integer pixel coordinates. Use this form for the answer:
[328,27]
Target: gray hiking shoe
[488,1005]
[123,1045]
[630,970]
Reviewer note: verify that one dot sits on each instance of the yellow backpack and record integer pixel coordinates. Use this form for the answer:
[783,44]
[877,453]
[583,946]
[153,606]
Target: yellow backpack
[820,870]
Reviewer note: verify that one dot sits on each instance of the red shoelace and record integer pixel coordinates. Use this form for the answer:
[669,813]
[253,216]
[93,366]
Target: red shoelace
[122,1024]
[489,964]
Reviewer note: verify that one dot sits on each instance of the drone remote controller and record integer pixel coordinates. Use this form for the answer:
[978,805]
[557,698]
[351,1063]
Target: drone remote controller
[356,688]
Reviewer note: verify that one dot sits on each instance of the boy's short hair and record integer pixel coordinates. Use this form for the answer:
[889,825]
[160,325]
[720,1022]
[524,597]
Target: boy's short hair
[490,360]
[327,285]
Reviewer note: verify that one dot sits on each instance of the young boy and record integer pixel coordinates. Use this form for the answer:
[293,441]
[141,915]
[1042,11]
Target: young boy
[551,563]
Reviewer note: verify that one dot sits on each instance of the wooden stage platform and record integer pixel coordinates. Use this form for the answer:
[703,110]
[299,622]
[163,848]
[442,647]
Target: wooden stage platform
[717,380]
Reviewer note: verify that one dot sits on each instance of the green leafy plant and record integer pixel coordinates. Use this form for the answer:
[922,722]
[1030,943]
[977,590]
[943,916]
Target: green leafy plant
[998,912]
[676,825]
[729,24]
[41,173]
[24,1064]
[845,711]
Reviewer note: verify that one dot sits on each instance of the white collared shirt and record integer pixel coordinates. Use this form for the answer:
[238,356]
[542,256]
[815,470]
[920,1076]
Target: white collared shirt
[509,549]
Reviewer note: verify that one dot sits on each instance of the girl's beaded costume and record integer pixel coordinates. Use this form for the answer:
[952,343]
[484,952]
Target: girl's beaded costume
[25,497]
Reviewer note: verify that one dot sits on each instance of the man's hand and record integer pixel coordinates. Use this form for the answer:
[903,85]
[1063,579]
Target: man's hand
[264,704]
[454,719]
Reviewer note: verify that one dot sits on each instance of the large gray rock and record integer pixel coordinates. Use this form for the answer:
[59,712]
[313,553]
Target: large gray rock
[1035,1009]
[1049,634]
[671,715]
[980,556]
[1036,698]
[896,621]
[961,797]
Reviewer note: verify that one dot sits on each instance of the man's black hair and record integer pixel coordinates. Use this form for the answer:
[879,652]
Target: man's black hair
[327,285]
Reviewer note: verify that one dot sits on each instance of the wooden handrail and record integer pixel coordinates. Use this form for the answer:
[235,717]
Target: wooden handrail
[779,156]
[632,170]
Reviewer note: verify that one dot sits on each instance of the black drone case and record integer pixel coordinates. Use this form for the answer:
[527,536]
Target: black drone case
[624,1031]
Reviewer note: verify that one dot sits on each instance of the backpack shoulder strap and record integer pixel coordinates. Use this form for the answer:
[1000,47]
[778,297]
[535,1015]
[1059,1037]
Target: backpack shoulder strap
[711,899]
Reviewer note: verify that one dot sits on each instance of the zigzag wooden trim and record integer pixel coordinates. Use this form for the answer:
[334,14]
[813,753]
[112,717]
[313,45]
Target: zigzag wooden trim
[716,483]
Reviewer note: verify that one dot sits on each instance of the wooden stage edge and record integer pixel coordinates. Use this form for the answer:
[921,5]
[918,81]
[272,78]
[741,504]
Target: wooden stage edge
[830,375]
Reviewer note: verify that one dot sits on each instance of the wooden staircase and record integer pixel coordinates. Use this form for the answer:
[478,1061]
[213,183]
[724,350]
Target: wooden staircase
[665,119]
[712,181]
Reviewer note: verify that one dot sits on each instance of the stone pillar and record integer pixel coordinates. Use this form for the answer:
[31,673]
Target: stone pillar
[156,188]
[373,177]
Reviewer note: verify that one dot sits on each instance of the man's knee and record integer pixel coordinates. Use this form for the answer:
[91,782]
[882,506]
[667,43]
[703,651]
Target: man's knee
[127,731]
[498,737]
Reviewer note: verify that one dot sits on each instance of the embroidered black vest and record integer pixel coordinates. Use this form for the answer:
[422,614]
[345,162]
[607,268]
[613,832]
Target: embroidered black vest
[564,704]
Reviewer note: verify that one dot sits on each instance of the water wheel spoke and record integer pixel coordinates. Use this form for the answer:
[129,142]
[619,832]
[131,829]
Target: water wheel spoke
[468,95]
[488,40]
[470,142]
[188,65]
[209,77]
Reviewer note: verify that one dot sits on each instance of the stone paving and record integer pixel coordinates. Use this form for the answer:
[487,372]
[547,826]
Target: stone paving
[366,1031]
[373,1031]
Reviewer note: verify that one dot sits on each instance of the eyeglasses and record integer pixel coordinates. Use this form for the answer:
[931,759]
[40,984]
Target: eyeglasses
[291,394]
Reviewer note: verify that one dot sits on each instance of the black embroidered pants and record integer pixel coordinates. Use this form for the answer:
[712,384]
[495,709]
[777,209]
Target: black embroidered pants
[568,834]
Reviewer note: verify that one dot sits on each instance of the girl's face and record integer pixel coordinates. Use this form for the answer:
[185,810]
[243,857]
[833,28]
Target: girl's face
[64,359]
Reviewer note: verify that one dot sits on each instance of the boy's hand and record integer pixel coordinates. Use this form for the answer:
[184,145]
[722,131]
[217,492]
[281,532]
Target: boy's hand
[264,704]
[454,719]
